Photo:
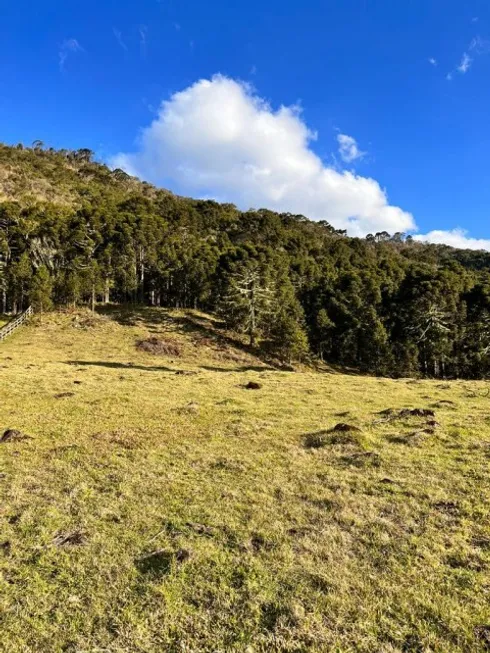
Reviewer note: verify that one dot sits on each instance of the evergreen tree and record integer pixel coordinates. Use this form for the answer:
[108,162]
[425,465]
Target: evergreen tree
[247,302]
[41,290]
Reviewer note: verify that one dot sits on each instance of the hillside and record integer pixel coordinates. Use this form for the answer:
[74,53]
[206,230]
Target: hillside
[74,233]
[158,504]
[34,175]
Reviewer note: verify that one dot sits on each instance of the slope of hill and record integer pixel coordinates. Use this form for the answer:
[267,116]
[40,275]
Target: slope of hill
[63,177]
[73,232]
[160,504]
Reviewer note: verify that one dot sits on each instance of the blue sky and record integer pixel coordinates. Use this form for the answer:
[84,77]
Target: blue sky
[365,102]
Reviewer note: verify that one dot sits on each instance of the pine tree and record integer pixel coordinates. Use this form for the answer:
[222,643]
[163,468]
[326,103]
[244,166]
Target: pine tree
[324,328]
[41,290]
[285,332]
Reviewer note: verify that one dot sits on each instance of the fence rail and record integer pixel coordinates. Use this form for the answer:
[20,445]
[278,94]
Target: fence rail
[15,323]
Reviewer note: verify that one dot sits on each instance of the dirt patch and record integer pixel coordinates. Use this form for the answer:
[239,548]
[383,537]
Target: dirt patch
[432,423]
[182,555]
[332,437]
[345,428]
[481,542]
[13,435]
[6,547]
[201,529]
[390,415]
[448,507]
[159,347]
[252,385]
[72,538]
[417,412]
[482,634]
[259,543]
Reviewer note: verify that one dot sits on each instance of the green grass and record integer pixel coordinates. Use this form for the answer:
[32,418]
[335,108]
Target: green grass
[208,517]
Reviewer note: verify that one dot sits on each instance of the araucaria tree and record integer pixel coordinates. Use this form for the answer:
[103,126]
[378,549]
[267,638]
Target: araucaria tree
[246,304]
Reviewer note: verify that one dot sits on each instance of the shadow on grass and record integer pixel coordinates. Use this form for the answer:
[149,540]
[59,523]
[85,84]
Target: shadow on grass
[123,366]
[162,368]
[155,565]
[244,368]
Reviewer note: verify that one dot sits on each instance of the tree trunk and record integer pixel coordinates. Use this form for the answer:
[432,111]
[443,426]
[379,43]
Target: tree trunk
[107,291]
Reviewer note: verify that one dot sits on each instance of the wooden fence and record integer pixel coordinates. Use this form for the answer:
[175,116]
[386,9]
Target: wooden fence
[15,323]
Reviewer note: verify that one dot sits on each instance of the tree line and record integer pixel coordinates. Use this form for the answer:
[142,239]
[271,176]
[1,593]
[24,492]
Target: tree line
[384,304]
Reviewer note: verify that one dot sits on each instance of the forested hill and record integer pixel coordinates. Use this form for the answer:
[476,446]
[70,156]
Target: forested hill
[74,232]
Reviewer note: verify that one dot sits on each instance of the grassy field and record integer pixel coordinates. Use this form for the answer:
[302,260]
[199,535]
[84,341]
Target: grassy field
[161,506]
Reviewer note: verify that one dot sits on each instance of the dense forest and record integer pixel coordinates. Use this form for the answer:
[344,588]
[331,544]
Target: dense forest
[75,232]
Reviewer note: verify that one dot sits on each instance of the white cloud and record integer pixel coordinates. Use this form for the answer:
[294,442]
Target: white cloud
[218,138]
[477,47]
[69,46]
[348,148]
[456,238]
[465,64]
[433,61]
[118,34]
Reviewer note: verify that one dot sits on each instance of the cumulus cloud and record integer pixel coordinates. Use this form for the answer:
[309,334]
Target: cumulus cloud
[433,61]
[455,238]
[69,46]
[219,138]
[348,149]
